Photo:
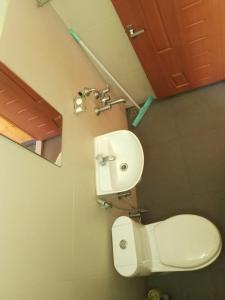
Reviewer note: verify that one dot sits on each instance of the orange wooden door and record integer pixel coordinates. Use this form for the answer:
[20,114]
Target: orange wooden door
[181,46]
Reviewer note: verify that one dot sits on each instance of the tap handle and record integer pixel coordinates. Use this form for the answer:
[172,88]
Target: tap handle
[103,92]
[105,100]
[88,91]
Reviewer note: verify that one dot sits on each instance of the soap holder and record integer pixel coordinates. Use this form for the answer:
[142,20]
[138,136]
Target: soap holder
[78,102]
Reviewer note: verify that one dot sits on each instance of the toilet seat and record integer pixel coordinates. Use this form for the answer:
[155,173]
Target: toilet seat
[186,241]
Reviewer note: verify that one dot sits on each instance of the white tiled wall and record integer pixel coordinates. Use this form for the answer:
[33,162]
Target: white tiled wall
[55,241]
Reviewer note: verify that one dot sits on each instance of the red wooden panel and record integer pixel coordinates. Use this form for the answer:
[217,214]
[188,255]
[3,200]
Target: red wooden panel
[183,46]
[26,109]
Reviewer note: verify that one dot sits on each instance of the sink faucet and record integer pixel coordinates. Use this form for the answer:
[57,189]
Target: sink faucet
[108,105]
[117,101]
[103,159]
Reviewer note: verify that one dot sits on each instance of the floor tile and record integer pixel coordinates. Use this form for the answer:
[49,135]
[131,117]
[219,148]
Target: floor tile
[164,185]
[158,125]
[190,115]
[204,157]
[184,146]
[199,111]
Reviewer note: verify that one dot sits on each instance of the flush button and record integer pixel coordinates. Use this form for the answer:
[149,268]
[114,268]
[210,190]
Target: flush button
[123,244]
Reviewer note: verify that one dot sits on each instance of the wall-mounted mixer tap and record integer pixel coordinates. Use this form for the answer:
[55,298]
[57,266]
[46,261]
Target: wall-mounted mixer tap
[117,101]
[88,91]
[98,94]
[103,93]
[105,100]
[108,106]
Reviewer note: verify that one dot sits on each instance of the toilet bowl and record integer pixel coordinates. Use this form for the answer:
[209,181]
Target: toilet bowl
[180,243]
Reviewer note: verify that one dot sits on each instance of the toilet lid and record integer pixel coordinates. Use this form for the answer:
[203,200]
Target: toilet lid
[186,241]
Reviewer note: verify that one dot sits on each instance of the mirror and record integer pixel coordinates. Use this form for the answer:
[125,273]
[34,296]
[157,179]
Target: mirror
[27,119]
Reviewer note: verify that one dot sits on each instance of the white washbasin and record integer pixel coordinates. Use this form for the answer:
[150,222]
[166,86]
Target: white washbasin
[125,171]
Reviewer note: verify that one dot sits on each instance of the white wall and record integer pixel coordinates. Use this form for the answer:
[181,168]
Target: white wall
[55,241]
[3,9]
[99,26]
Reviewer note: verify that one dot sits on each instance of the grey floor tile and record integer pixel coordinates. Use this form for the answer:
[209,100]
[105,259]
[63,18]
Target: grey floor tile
[185,285]
[164,170]
[211,205]
[158,124]
[164,185]
[190,115]
[204,157]
[217,271]
[199,111]
[167,284]
[184,146]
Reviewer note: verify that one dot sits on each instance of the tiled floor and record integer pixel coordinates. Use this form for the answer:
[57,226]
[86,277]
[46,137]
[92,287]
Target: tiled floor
[184,144]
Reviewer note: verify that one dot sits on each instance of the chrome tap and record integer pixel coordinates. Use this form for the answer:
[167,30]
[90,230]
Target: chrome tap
[108,105]
[117,101]
[103,92]
[103,159]
[98,110]
[87,92]
[105,100]
[98,94]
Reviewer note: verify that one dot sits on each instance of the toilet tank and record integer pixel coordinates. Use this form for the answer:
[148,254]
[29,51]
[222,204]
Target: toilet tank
[131,253]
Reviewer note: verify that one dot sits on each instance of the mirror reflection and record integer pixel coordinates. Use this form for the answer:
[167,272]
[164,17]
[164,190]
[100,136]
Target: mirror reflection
[27,119]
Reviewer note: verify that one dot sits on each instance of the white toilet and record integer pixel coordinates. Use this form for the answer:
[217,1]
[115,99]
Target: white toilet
[179,243]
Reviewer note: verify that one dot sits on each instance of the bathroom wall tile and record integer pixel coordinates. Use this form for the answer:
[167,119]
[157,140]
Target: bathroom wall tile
[55,241]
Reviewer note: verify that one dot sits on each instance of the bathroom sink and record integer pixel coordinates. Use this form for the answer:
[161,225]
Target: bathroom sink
[119,163]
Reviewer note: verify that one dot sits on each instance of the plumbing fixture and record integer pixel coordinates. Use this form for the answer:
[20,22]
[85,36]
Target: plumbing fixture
[123,166]
[124,194]
[117,101]
[78,101]
[103,159]
[98,110]
[103,204]
[108,105]
[98,94]
[88,91]
[135,214]
[105,100]
[103,92]
[128,150]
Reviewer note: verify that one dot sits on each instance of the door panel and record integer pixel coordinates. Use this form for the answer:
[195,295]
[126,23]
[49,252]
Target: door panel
[181,47]
[23,107]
